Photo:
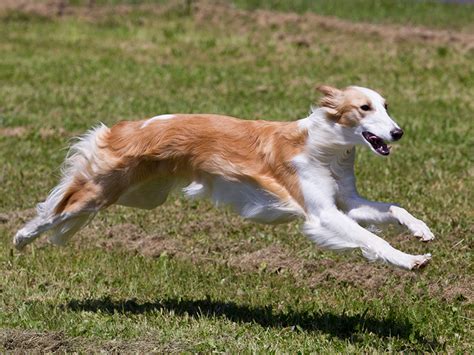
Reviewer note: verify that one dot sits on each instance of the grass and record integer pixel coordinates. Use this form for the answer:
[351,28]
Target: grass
[217,283]
[423,12]
[458,15]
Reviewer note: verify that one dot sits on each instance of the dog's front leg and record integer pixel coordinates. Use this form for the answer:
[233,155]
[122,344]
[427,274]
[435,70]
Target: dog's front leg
[332,229]
[370,212]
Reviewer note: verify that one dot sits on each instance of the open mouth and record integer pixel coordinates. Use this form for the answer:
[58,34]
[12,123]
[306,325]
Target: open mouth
[377,143]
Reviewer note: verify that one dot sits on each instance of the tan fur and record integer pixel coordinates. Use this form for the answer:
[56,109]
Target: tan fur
[77,196]
[344,105]
[194,147]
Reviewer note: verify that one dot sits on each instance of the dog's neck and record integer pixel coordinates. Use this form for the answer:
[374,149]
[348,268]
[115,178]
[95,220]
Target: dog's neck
[327,140]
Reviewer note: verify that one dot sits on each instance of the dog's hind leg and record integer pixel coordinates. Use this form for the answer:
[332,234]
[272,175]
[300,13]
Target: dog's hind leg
[32,230]
[63,226]
[77,198]
[79,205]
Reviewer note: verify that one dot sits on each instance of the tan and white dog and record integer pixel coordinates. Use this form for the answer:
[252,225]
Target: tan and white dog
[270,172]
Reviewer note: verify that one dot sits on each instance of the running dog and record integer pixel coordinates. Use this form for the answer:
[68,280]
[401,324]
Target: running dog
[269,172]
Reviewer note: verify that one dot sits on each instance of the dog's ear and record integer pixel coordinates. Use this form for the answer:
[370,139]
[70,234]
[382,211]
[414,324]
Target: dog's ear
[331,99]
[328,90]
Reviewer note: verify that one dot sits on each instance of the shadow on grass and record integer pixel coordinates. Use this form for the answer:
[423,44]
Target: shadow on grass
[337,325]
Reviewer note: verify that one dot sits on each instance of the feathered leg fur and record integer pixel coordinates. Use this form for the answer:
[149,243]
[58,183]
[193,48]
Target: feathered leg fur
[75,200]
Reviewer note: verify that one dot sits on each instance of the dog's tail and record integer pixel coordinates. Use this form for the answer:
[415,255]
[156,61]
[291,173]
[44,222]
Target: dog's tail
[70,205]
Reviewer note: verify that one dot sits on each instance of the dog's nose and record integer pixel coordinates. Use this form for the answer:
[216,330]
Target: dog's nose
[396,133]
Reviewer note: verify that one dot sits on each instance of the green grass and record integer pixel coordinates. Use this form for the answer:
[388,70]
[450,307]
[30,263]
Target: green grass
[60,76]
[423,12]
[430,13]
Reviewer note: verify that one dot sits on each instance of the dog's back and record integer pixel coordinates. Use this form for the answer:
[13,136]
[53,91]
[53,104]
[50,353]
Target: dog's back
[137,163]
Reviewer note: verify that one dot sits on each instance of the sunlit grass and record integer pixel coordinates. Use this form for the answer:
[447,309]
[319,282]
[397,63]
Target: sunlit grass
[60,76]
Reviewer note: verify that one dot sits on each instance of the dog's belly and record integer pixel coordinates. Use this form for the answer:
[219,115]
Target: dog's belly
[147,195]
[249,201]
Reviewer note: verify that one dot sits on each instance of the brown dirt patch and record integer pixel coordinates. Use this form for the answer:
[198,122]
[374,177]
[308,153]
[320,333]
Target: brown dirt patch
[132,238]
[317,273]
[304,26]
[46,8]
[454,288]
[19,340]
[13,131]
[272,259]
[25,341]
[46,133]
[60,8]
[367,276]
[373,278]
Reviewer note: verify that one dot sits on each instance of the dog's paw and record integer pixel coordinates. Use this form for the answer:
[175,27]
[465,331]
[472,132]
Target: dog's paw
[420,261]
[421,231]
[20,240]
[417,227]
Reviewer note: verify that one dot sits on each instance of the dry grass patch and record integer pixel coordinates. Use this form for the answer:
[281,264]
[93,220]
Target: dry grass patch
[212,12]
[309,23]
[27,342]
[130,237]
[13,131]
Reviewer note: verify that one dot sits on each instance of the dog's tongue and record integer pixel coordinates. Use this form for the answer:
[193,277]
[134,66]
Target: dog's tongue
[378,144]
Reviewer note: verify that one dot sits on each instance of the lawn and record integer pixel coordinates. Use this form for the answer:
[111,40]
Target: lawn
[431,13]
[188,277]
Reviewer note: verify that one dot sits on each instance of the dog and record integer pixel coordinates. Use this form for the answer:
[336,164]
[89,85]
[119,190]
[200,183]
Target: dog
[269,172]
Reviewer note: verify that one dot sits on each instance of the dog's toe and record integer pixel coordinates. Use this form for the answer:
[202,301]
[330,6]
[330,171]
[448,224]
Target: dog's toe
[421,261]
[422,232]
[20,240]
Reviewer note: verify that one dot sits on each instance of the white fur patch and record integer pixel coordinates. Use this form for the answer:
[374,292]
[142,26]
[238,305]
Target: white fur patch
[195,190]
[157,118]
[249,201]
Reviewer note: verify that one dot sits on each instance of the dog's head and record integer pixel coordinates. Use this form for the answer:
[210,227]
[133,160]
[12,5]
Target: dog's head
[363,114]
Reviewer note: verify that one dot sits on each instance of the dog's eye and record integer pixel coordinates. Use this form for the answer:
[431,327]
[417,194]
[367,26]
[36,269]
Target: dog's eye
[365,107]
[386,107]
